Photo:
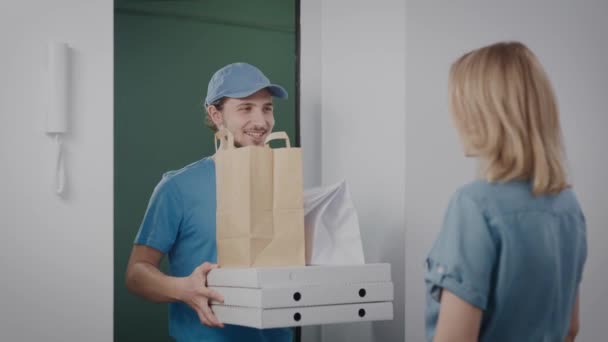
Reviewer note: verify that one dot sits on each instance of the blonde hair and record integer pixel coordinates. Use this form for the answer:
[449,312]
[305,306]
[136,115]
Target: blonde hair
[505,110]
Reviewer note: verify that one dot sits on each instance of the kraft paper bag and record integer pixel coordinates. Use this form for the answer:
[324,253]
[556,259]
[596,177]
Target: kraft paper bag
[260,211]
[332,227]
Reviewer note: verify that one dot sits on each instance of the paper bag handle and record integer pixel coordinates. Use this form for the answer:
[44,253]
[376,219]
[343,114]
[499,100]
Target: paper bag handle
[225,137]
[277,136]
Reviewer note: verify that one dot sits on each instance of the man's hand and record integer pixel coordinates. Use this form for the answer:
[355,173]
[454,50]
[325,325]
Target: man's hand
[194,292]
[146,280]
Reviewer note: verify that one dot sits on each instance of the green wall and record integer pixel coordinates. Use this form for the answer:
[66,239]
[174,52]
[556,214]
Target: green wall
[165,53]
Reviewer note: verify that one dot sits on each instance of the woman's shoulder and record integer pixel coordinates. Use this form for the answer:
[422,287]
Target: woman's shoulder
[517,196]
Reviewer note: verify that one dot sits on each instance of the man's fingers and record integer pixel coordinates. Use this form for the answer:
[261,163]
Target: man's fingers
[211,317]
[204,270]
[202,317]
[212,295]
[206,267]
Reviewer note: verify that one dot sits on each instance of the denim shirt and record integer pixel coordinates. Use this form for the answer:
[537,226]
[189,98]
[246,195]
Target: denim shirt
[517,257]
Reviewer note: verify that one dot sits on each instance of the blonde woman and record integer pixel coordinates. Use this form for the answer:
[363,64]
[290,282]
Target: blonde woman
[509,259]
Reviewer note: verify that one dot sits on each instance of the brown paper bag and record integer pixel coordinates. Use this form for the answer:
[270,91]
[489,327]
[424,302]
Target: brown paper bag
[260,215]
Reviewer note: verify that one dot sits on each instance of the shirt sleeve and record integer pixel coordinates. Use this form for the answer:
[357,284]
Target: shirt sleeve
[463,255]
[161,222]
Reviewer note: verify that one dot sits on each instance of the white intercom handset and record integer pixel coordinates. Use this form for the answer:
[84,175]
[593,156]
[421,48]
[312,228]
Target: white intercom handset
[57,108]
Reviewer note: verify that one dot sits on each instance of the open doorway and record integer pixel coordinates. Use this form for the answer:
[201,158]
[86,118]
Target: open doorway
[165,53]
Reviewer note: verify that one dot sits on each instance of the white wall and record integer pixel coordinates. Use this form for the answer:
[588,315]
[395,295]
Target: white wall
[56,255]
[310,90]
[310,108]
[361,59]
[570,40]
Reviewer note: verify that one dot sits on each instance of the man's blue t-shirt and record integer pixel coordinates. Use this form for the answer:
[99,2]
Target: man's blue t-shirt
[516,256]
[180,222]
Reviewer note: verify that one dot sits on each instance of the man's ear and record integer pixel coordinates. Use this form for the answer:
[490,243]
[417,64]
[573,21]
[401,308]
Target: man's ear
[215,116]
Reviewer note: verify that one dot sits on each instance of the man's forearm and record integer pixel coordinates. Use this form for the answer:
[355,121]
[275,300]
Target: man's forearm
[149,282]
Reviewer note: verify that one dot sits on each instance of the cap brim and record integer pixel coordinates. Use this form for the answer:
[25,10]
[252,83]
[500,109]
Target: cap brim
[274,89]
[277,91]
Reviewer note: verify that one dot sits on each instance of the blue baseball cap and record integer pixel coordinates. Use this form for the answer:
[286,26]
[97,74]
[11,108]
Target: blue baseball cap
[240,80]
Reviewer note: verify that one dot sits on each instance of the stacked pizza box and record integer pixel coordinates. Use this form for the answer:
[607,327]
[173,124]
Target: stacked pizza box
[273,297]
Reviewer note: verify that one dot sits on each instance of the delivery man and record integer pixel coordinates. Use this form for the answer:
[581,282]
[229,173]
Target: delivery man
[180,218]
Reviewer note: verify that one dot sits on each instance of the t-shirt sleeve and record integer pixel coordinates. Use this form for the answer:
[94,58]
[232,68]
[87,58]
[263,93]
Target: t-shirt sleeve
[463,255]
[161,222]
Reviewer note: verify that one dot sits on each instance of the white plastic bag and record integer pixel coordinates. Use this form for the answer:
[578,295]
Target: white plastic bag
[332,227]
